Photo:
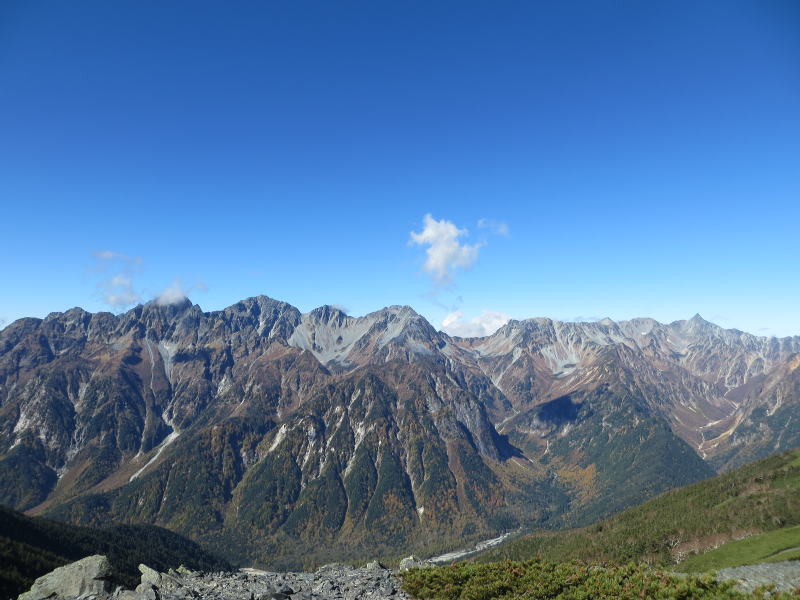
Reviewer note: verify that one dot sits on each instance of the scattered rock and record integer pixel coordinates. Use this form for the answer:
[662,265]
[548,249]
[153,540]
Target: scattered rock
[88,576]
[332,582]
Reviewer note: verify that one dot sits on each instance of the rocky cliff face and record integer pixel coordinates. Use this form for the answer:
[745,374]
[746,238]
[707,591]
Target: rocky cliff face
[270,433]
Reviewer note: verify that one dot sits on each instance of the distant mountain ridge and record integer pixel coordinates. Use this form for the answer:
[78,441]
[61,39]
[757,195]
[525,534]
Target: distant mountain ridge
[265,431]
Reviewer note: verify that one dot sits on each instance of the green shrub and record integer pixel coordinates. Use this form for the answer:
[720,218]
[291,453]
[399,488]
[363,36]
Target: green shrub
[539,580]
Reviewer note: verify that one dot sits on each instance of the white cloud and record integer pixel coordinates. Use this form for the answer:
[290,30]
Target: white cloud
[484,324]
[497,227]
[117,286]
[119,291]
[176,292]
[173,294]
[445,253]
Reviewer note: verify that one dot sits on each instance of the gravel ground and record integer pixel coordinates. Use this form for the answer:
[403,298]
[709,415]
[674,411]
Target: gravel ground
[332,582]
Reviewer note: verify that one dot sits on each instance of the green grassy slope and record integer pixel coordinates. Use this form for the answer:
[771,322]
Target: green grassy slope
[782,544]
[759,497]
[31,547]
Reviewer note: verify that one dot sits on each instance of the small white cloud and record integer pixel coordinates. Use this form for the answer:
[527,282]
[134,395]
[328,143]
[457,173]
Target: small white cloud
[172,294]
[445,253]
[497,227]
[176,292]
[341,307]
[484,324]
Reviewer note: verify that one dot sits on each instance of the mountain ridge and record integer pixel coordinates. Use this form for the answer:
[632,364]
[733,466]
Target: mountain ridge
[377,430]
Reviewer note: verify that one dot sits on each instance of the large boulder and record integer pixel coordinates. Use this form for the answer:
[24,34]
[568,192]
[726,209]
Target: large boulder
[89,575]
[150,576]
[412,562]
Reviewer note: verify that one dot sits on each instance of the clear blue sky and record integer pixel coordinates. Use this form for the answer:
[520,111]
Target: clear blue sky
[624,158]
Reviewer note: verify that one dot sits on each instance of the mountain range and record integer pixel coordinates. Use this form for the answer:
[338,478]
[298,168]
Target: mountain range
[287,439]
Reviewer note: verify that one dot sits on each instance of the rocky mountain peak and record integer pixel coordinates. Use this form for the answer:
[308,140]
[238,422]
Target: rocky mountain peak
[328,315]
[336,338]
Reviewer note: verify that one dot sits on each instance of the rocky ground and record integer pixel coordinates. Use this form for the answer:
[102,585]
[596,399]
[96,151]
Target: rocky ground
[87,579]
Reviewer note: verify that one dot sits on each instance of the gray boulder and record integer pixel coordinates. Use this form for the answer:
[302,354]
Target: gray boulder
[89,575]
[412,562]
[150,576]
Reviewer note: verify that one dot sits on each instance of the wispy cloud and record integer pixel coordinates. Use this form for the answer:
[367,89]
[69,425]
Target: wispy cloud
[116,287]
[176,292]
[119,291]
[585,319]
[496,227]
[484,324]
[111,255]
[445,254]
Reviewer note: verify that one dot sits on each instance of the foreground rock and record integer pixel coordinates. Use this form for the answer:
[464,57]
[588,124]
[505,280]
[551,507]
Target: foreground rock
[331,582]
[86,577]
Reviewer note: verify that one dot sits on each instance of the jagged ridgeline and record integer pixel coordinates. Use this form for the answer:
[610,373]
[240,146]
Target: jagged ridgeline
[290,439]
[31,547]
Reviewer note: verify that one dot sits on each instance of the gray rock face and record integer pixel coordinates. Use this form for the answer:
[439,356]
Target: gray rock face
[88,576]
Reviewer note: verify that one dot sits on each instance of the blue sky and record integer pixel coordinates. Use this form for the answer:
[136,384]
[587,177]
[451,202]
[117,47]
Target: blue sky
[577,159]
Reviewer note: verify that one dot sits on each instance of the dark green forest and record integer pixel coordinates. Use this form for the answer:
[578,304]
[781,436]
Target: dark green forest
[33,546]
